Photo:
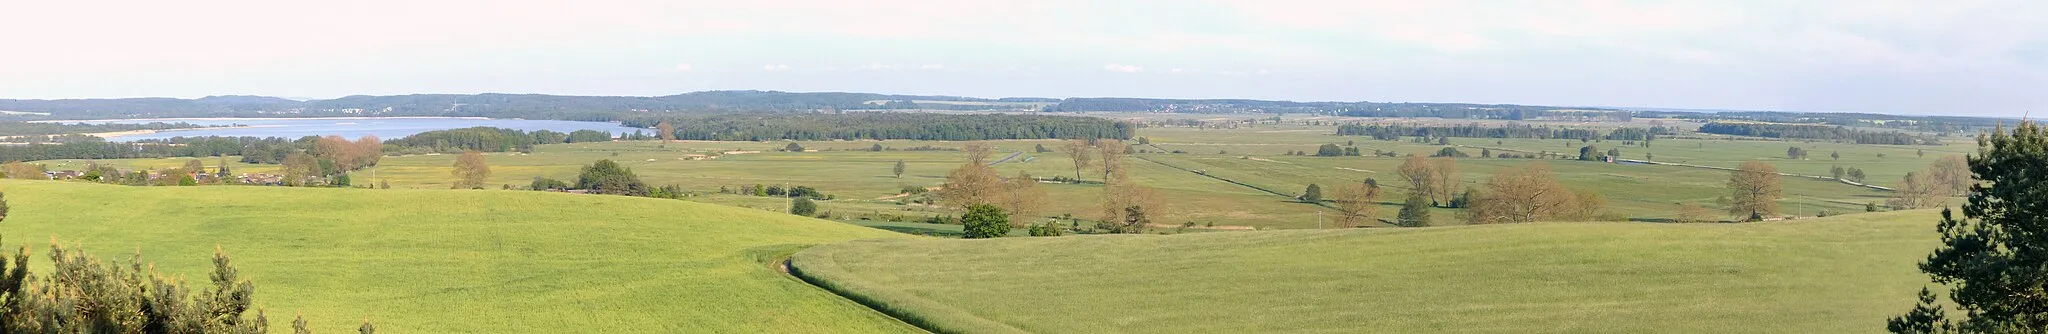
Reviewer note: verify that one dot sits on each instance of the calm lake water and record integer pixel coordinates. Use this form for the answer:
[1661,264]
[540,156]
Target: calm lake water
[386,128]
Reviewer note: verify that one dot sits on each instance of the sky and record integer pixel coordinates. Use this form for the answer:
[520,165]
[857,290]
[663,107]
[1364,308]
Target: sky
[1952,57]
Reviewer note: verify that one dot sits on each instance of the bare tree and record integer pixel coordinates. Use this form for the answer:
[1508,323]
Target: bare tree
[1693,213]
[974,182]
[470,170]
[1111,152]
[1023,197]
[978,152]
[1420,174]
[1358,203]
[1754,190]
[668,131]
[1081,153]
[1443,176]
[1949,175]
[1915,191]
[1128,206]
[1521,194]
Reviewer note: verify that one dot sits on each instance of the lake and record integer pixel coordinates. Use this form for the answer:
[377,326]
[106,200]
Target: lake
[351,127]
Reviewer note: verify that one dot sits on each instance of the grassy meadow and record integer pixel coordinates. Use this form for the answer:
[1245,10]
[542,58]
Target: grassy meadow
[865,187]
[446,261]
[1827,275]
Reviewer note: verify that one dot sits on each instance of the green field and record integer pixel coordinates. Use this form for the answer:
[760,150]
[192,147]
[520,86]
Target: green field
[864,186]
[443,261]
[1829,275]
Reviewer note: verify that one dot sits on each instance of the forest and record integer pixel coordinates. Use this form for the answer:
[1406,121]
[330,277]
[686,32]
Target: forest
[1815,131]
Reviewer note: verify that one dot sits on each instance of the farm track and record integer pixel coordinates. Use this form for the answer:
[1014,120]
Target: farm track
[1246,185]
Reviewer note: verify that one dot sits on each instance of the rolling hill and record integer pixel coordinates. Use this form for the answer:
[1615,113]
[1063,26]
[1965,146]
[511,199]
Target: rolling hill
[441,261]
[1828,275]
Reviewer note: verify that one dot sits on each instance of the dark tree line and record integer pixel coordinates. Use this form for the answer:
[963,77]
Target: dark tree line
[1815,131]
[1395,132]
[489,139]
[918,126]
[35,129]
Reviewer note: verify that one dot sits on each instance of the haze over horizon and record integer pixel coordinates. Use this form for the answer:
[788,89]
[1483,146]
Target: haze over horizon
[1979,58]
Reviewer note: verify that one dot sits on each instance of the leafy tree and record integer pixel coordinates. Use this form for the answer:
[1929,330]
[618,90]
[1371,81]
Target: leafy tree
[803,206]
[1329,150]
[222,172]
[470,170]
[899,168]
[1415,211]
[1795,153]
[1485,153]
[1614,152]
[1990,258]
[1837,172]
[793,147]
[1589,153]
[607,177]
[1836,155]
[985,221]
[1314,194]
[1754,190]
[1041,149]
[1856,174]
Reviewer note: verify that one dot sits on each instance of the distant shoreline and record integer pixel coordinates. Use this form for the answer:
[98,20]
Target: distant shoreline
[117,134]
[68,121]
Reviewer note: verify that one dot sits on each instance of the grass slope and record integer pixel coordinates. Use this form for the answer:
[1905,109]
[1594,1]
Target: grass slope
[1832,275]
[441,261]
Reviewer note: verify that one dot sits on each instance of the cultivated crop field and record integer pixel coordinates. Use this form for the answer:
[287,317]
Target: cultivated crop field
[449,261]
[1829,275]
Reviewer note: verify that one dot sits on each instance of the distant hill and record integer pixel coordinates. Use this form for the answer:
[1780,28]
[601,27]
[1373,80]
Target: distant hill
[610,108]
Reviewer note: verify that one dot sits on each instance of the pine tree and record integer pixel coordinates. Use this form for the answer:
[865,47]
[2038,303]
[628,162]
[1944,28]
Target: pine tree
[1990,256]
[1314,194]
[1415,211]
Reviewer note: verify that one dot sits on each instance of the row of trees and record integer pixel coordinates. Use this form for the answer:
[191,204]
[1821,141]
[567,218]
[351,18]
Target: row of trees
[490,139]
[1395,132]
[1815,131]
[861,126]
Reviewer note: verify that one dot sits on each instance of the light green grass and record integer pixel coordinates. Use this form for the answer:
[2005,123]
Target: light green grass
[1832,275]
[445,261]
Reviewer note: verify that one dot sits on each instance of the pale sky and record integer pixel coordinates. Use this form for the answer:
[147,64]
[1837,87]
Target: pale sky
[1960,57]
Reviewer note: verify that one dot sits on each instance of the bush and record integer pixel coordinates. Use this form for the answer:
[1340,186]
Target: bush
[803,207]
[1048,229]
[542,183]
[985,221]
